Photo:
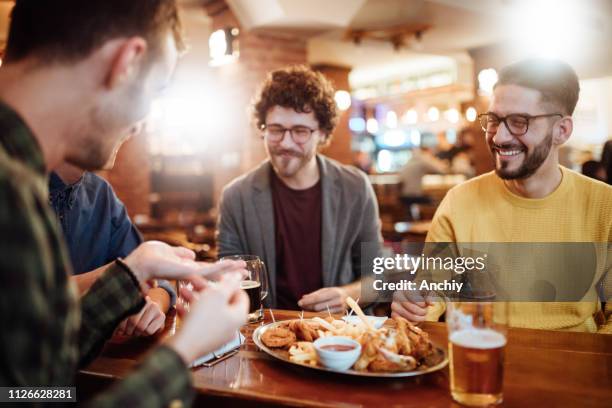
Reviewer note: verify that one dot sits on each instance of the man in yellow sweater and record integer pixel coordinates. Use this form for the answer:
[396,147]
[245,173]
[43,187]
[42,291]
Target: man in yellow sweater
[529,197]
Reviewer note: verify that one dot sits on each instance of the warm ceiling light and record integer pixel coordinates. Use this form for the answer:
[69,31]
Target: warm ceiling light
[487,78]
[410,117]
[343,100]
[470,114]
[372,126]
[391,121]
[223,46]
[452,115]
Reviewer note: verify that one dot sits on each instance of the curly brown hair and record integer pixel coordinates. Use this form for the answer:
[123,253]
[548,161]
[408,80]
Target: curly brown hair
[302,89]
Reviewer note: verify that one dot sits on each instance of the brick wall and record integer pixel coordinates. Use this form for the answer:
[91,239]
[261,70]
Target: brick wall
[130,176]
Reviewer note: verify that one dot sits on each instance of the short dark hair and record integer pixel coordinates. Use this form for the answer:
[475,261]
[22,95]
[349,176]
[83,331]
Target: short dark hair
[554,79]
[69,30]
[591,168]
[302,89]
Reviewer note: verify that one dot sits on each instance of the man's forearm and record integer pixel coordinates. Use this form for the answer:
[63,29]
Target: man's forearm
[113,297]
[161,297]
[85,280]
[353,289]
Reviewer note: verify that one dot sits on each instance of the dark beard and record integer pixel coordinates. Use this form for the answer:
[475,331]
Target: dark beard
[531,164]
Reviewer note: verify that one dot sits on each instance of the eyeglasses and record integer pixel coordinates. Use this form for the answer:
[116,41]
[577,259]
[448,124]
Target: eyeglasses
[516,123]
[276,133]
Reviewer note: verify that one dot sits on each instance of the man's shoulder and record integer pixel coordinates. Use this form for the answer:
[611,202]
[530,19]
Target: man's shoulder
[589,188]
[96,182]
[245,181]
[349,176]
[474,187]
[582,181]
[15,176]
[97,188]
[21,190]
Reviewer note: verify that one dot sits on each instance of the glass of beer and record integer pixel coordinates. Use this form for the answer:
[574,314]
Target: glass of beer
[255,284]
[476,342]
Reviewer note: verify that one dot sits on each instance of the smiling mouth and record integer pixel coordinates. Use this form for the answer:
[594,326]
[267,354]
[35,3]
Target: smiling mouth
[508,152]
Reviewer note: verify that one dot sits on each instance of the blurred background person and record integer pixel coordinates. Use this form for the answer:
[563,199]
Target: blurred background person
[461,159]
[421,162]
[594,170]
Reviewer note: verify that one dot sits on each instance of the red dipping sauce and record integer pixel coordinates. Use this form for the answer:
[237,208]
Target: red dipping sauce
[338,347]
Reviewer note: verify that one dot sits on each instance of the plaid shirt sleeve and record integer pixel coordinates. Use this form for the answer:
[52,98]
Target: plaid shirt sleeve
[161,378]
[37,341]
[156,383]
[43,341]
[113,297]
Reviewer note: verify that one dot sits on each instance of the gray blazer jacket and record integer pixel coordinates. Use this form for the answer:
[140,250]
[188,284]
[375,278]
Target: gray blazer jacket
[349,218]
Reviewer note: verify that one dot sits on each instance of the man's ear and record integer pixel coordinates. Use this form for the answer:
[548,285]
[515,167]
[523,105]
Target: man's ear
[563,130]
[126,61]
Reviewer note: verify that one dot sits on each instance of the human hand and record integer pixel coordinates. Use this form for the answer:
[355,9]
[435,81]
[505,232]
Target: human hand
[409,305]
[333,298]
[147,322]
[157,260]
[216,312]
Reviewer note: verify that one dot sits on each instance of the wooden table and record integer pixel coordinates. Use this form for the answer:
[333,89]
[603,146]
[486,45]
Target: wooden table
[543,368]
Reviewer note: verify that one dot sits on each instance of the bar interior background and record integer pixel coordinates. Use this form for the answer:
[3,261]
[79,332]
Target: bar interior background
[407,72]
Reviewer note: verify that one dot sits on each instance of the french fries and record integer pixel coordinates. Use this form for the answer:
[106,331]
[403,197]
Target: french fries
[303,352]
[353,305]
[393,348]
[323,323]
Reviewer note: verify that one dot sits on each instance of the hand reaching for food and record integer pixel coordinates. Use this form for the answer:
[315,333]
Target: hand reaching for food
[332,299]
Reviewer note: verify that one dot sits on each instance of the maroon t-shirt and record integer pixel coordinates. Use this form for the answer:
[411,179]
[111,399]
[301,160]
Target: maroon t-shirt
[297,221]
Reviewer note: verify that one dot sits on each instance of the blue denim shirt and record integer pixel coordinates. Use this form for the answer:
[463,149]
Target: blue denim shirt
[95,223]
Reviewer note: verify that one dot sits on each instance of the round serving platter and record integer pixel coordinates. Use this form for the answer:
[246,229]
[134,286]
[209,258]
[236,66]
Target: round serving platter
[283,355]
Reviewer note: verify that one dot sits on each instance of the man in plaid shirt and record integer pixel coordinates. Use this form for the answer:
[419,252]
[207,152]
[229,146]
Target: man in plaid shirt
[77,76]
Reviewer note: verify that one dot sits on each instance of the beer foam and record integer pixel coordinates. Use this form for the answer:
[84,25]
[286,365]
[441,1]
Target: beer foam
[478,338]
[249,284]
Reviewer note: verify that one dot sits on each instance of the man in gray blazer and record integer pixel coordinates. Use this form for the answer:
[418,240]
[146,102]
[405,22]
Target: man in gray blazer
[303,214]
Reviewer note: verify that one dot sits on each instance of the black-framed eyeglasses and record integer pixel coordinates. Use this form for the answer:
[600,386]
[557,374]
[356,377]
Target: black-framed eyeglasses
[276,133]
[516,123]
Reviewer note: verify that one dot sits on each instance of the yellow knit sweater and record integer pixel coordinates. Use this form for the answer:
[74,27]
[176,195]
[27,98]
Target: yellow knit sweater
[484,210]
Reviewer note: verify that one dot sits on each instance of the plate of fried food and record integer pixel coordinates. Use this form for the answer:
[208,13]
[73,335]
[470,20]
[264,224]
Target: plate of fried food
[397,349]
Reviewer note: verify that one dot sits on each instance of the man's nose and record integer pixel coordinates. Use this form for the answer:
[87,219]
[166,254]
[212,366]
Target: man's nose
[502,135]
[287,140]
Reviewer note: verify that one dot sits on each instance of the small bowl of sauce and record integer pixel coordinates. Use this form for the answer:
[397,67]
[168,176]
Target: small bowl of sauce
[336,352]
[338,347]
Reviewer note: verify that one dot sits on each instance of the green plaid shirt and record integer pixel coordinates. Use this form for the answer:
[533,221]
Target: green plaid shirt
[47,334]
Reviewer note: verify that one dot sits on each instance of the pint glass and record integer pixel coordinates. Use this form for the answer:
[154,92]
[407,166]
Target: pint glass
[476,342]
[255,284]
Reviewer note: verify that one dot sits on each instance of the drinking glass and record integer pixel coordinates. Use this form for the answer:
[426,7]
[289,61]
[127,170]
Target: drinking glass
[477,333]
[255,284]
